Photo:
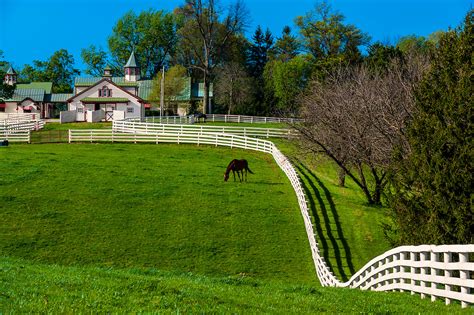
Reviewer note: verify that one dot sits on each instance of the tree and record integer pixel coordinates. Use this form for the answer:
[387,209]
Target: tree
[328,39]
[287,80]
[432,181]
[381,56]
[357,118]
[205,35]
[258,52]
[95,59]
[58,69]
[233,87]
[286,47]
[151,34]
[175,83]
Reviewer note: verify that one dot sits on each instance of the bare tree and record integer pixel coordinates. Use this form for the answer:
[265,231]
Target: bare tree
[205,35]
[357,117]
[233,87]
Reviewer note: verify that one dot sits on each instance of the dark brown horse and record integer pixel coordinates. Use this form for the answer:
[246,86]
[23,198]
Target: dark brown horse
[239,166]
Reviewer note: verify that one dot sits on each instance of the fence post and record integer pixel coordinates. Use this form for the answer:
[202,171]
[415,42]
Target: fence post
[433,258]
[29,136]
[463,275]
[447,274]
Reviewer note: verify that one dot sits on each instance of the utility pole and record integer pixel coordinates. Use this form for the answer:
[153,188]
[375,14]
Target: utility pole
[162,92]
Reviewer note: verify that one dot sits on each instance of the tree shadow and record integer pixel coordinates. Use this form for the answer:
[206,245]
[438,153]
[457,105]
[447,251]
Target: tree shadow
[315,189]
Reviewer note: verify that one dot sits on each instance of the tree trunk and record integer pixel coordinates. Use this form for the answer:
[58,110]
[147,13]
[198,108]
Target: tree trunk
[341,174]
[205,98]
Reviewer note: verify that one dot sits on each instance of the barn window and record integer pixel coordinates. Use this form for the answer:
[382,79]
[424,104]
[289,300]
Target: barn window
[105,92]
[80,110]
[129,109]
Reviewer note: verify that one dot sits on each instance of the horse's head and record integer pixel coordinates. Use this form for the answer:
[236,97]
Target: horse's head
[226,177]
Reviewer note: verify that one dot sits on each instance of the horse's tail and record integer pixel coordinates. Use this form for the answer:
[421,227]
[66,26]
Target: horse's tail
[248,169]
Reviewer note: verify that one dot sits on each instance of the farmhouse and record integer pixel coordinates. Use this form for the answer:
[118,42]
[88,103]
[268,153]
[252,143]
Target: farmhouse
[34,97]
[107,97]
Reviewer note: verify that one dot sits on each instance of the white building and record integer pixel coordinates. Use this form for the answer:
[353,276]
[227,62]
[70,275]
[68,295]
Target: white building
[98,99]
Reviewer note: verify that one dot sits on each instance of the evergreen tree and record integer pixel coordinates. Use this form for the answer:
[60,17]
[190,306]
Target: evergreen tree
[258,55]
[286,47]
[258,52]
[433,182]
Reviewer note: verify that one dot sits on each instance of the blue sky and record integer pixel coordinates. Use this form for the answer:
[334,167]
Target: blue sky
[35,29]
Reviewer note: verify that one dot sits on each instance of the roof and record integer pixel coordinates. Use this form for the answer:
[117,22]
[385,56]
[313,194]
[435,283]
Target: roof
[19,95]
[144,89]
[11,70]
[105,100]
[131,63]
[59,97]
[102,98]
[46,86]
[89,81]
[107,67]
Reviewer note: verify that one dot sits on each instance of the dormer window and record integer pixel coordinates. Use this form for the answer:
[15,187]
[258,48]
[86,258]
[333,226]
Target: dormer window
[105,92]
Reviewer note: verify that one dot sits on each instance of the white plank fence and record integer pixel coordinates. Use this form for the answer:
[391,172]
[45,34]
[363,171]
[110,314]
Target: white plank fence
[218,118]
[153,128]
[445,271]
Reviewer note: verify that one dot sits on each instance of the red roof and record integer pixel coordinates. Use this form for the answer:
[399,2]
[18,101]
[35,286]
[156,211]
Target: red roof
[3,105]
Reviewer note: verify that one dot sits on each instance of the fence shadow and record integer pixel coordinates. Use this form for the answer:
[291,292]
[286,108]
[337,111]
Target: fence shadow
[317,193]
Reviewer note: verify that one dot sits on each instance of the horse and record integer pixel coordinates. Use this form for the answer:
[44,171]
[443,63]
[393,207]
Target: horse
[239,166]
[200,117]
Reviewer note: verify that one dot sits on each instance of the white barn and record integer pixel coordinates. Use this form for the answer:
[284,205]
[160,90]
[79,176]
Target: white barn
[109,98]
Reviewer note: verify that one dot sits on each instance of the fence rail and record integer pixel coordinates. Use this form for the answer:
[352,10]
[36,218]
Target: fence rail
[16,136]
[444,271]
[218,118]
[18,125]
[20,116]
[153,128]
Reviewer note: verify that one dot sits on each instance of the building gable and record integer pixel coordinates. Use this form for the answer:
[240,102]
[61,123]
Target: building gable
[92,92]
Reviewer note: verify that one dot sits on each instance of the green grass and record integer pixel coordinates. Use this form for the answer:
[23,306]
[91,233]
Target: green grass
[349,232]
[161,206]
[39,288]
[80,125]
[255,125]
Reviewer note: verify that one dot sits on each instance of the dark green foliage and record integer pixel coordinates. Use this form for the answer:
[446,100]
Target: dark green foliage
[380,56]
[151,34]
[433,184]
[59,69]
[258,52]
[95,59]
[6,91]
[286,47]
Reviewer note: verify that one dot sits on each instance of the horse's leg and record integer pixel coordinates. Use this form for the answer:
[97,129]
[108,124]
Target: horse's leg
[238,173]
[233,172]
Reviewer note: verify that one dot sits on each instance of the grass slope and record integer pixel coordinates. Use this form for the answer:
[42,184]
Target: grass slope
[161,206]
[37,288]
[349,232]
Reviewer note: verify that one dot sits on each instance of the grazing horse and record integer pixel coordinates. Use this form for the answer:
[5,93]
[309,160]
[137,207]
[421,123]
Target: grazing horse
[200,117]
[239,166]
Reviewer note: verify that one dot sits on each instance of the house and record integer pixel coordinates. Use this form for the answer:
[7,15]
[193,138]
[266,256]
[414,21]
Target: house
[100,98]
[34,97]
[107,97]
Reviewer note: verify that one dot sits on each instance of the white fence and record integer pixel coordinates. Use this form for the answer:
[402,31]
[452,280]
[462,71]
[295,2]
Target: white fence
[67,116]
[153,128]
[12,125]
[20,116]
[15,136]
[218,118]
[444,271]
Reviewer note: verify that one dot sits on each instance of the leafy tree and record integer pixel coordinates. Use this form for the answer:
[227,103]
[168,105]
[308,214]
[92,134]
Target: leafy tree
[58,69]
[206,35]
[286,47]
[414,44]
[328,39]
[288,80]
[151,34]
[233,88]
[175,82]
[432,182]
[95,59]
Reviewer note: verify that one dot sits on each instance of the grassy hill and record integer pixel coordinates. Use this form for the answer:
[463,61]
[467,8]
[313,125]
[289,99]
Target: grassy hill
[161,206]
[38,288]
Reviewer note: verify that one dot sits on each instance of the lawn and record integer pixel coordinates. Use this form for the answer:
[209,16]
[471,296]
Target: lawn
[349,232]
[160,206]
[38,288]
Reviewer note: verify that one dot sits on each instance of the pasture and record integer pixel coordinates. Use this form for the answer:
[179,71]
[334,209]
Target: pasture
[160,206]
